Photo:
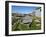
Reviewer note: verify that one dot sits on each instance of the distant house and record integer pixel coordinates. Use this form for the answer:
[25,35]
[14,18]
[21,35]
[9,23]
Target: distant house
[27,19]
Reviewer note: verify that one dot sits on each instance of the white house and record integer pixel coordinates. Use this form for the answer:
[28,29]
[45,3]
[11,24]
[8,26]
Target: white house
[27,19]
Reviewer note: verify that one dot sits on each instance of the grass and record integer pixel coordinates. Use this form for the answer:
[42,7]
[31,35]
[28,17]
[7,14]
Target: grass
[18,26]
[34,26]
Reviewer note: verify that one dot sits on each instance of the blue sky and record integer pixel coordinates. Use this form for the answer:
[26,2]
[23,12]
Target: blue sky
[23,9]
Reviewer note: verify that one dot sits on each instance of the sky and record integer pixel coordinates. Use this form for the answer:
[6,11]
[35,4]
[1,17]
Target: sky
[23,9]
